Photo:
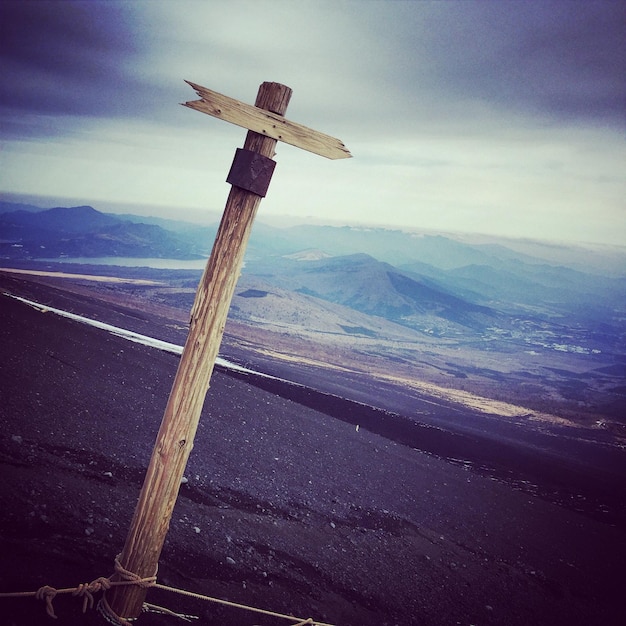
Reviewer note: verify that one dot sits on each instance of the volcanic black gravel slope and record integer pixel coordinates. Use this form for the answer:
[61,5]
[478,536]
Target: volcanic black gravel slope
[285,507]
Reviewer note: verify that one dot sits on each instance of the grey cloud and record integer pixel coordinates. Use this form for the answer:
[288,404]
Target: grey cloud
[390,66]
[68,58]
[561,60]
[564,59]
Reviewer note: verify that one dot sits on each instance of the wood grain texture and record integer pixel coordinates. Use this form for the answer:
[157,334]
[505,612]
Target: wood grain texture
[267,123]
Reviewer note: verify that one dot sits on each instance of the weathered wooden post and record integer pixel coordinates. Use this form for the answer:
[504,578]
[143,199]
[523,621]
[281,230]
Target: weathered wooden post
[250,176]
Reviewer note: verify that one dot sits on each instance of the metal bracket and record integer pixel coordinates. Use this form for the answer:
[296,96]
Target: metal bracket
[251,171]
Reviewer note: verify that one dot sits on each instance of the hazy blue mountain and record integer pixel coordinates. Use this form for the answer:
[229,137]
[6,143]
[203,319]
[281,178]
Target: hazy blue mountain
[440,251]
[392,246]
[10,207]
[365,284]
[490,274]
[549,290]
[411,278]
[85,232]
[546,283]
[198,238]
[65,220]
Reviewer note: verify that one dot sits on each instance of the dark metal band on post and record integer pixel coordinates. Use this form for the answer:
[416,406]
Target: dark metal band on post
[251,171]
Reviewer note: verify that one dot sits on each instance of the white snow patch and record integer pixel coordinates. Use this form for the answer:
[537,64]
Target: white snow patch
[130,335]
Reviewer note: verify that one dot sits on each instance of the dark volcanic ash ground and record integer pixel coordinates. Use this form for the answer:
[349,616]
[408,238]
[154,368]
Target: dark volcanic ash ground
[285,507]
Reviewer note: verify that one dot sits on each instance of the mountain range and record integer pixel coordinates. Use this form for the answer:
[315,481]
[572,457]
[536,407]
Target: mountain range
[361,282]
[85,232]
[424,281]
[539,322]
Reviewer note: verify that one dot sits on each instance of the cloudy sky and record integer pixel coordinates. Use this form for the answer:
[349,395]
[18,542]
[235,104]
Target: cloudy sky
[497,117]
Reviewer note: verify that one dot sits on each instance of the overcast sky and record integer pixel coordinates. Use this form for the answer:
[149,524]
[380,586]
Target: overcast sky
[499,117]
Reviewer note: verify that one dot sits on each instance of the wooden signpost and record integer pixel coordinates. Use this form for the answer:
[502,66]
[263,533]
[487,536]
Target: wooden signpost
[250,176]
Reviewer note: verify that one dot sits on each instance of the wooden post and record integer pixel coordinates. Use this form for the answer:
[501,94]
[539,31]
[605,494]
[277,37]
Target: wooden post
[208,317]
[250,176]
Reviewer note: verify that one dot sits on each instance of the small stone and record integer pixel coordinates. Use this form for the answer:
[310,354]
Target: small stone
[16,438]
[489,607]
[332,525]
[184,480]
[89,531]
[196,529]
[109,474]
[230,561]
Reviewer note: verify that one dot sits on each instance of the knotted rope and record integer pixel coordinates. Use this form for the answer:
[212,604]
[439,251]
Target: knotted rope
[47,594]
[135,579]
[87,591]
[127,577]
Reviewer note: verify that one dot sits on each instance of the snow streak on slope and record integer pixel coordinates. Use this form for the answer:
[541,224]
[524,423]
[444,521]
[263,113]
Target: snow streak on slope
[434,392]
[129,335]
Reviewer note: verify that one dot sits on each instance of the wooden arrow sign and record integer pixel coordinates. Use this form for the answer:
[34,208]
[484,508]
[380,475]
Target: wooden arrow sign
[249,177]
[266,123]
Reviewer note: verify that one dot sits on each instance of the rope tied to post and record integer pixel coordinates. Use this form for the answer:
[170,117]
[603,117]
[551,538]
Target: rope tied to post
[87,591]
[129,576]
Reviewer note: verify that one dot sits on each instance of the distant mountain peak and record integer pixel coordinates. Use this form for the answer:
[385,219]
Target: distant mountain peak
[311,254]
[82,231]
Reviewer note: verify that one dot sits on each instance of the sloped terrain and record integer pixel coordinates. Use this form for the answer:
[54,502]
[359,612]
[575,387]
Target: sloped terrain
[479,322]
[266,305]
[286,507]
[540,366]
[362,283]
